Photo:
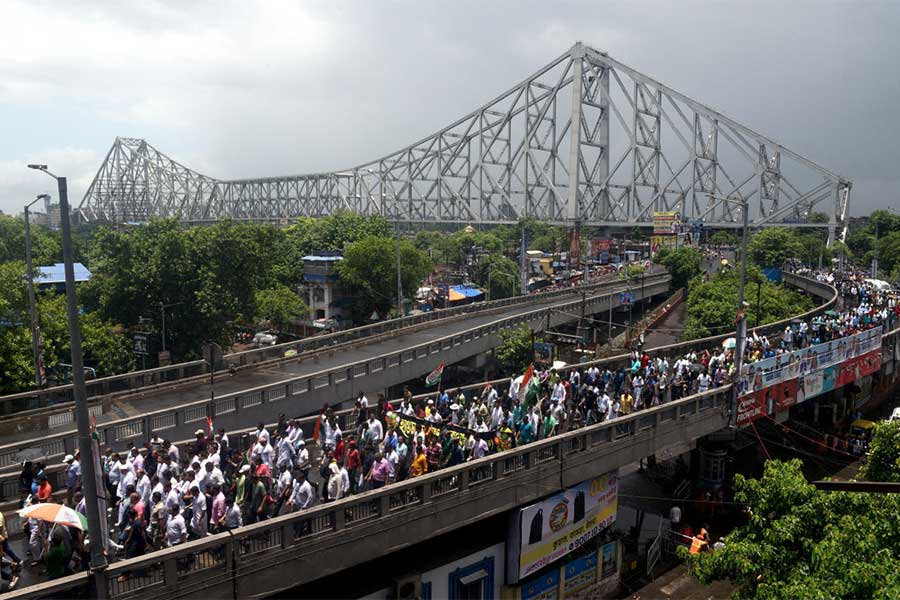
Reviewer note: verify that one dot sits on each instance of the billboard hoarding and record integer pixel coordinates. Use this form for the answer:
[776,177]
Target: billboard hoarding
[543,532]
[666,223]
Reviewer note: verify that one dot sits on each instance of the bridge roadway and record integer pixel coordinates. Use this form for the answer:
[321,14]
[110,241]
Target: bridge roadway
[287,551]
[258,394]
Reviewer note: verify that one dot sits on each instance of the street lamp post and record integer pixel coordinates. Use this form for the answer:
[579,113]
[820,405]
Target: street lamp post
[32,309]
[741,320]
[95,519]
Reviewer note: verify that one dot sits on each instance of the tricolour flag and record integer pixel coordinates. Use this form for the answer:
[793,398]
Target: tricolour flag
[529,387]
[434,377]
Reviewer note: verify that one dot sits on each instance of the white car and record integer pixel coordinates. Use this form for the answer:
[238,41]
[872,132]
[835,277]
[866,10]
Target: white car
[264,338]
[895,415]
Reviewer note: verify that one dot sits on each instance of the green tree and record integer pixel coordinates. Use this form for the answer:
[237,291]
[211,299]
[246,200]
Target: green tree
[802,543]
[883,222]
[888,252]
[683,264]
[860,241]
[724,238]
[280,306]
[499,275]
[369,273]
[883,462]
[515,353]
[771,247]
[16,362]
[712,305]
[46,246]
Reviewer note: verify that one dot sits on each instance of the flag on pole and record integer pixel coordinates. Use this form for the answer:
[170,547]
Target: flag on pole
[434,377]
[318,426]
[209,426]
[529,373]
[529,387]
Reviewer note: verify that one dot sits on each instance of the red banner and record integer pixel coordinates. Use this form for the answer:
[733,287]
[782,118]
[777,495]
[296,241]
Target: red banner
[767,401]
[857,368]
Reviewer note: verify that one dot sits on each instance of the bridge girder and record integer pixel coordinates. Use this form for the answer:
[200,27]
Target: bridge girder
[586,139]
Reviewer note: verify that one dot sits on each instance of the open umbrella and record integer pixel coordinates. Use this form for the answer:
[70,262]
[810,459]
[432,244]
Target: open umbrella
[55,513]
[729,343]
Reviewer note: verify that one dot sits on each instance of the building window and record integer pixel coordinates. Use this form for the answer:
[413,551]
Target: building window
[475,582]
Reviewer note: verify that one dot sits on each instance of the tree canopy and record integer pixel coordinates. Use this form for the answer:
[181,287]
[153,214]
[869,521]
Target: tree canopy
[369,274]
[280,305]
[499,275]
[683,264]
[515,352]
[802,543]
[771,247]
[712,305]
[883,463]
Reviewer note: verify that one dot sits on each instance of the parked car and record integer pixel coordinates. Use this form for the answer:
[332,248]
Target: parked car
[265,338]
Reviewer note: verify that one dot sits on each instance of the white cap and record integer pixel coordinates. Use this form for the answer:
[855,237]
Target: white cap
[245,469]
[301,442]
[199,432]
[69,458]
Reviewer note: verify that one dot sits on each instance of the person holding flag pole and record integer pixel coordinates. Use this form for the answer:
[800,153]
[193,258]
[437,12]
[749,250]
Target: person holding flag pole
[434,378]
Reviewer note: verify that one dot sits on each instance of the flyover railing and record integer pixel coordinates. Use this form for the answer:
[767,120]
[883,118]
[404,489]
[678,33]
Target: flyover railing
[57,445]
[118,432]
[223,557]
[9,480]
[126,382]
[220,560]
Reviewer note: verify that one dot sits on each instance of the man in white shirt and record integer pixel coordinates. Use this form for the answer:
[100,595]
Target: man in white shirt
[703,382]
[143,487]
[285,480]
[376,429]
[363,401]
[200,519]
[559,392]
[285,453]
[176,531]
[302,496]
[261,432]
[233,518]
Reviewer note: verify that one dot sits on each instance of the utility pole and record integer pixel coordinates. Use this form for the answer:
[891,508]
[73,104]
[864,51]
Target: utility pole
[523,272]
[741,315]
[96,520]
[399,280]
[32,304]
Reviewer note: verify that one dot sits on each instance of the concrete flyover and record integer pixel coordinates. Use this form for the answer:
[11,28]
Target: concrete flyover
[9,476]
[308,545]
[299,388]
[305,546]
[57,399]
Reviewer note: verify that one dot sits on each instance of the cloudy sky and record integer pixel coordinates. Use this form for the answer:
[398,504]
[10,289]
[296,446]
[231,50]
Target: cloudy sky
[243,89]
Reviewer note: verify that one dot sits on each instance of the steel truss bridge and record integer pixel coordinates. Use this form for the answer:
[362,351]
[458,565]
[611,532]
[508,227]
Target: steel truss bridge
[585,140]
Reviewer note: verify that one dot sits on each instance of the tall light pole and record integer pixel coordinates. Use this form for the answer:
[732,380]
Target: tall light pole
[399,279]
[32,309]
[741,320]
[96,520]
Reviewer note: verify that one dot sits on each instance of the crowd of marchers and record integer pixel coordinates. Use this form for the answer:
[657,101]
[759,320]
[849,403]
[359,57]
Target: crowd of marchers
[162,494]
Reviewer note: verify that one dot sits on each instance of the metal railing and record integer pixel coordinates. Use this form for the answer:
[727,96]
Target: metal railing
[58,445]
[118,432]
[129,382]
[218,559]
[229,555]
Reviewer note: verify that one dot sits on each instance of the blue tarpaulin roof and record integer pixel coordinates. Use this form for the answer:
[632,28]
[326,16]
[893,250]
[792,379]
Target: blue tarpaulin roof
[467,291]
[57,274]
